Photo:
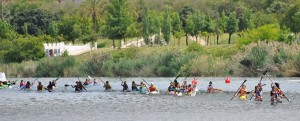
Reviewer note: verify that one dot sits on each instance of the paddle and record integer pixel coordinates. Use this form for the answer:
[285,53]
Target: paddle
[238,89]
[31,83]
[82,85]
[281,91]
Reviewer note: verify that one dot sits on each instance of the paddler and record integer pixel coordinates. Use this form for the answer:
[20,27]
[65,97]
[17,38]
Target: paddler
[152,88]
[171,89]
[177,87]
[190,89]
[134,86]
[210,88]
[274,94]
[143,88]
[95,82]
[194,82]
[87,82]
[184,87]
[125,86]
[40,87]
[279,91]
[22,84]
[50,86]
[27,86]
[243,93]
[107,86]
[258,93]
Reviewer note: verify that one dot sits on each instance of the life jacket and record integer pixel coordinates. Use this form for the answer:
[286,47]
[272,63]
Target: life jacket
[194,82]
[190,89]
[243,92]
[107,87]
[86,83]
[22,84]
[257,92]
[273,94]
[171,88]
[152,88]
[40,87]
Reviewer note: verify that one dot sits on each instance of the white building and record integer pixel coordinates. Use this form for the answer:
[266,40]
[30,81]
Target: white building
[57,49]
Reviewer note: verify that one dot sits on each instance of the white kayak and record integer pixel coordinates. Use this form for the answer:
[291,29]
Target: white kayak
[154,92]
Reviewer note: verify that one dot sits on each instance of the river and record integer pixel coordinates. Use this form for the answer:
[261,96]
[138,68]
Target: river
[95,104]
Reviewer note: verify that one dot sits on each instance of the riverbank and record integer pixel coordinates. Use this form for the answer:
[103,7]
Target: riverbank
[282,60]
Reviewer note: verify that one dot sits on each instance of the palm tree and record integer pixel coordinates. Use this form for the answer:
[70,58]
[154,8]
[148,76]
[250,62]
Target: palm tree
[93,8]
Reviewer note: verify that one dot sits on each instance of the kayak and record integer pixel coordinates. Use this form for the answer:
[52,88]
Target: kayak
[2,87]
[154,92]
[88,85]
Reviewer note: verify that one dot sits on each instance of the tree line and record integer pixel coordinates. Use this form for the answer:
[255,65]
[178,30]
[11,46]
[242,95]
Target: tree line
[36,22]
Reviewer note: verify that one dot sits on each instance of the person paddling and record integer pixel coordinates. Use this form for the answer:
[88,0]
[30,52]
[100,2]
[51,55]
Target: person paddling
[184,87]
[107,86]
[210,88]
[143,88]
[22,84]
[50,86]
[243,92]
[125,86]
[152,88]
[134,86]
[171,89]
[274,94]
[95,82]
[258,93]
[28,85]
[40,87]
[190,89]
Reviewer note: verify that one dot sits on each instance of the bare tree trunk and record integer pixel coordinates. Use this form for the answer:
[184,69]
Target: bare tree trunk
[187,39]
[229,38]
[114,43]
[218,39]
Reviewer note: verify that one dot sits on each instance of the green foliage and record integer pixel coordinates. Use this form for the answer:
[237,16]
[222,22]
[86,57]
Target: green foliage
[36,20]
[146,27]
[291,19]
[194,47]
[70,28]
[166,27]
[118,19]
[57,66]
[25,49]
[232,25]
[6,31]
[256,58]
[269,32]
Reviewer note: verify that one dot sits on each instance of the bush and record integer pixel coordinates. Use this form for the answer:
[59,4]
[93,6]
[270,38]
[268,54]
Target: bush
[194,47]
[57,66]
[256,58]
[25,49]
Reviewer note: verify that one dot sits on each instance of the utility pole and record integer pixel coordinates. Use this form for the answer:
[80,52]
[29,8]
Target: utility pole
[5,9]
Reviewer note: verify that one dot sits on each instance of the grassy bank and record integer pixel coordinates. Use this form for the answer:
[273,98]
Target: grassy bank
[218,60]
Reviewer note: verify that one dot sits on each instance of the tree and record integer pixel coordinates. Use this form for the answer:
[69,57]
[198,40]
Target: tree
[37,21]
[53,29]
[232,25]
[221,25]
[93,8]
[70,28]
[118,19]
[184,13]
[176,25]
[291,18]
[208,27]
[146,27]
[195,23]
[23,49]
[166,27]
[6,31]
